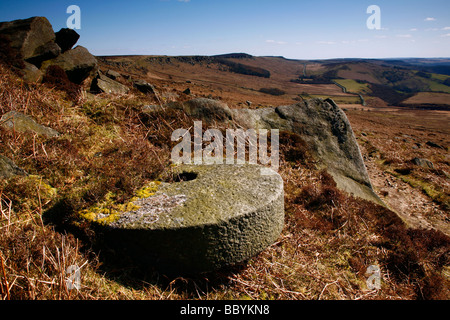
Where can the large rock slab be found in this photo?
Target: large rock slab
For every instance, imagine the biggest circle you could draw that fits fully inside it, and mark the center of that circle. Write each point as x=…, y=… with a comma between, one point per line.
x=47, y=51
x=33, y=37
x=329, y=135
x=78, y=64
x=221, y=215
x=102, y=83
x=144, y=87
x=204, y=108
x=20, y=122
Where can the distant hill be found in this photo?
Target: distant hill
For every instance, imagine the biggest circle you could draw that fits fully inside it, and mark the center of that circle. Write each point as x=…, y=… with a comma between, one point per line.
x=394, y=81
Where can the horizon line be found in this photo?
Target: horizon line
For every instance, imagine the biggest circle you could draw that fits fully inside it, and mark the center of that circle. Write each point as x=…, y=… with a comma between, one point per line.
x=264, y=56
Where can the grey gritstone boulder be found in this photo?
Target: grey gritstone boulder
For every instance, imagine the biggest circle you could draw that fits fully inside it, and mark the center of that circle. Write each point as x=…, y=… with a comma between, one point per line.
x=20, y=122
x=224, y=214
x=329, y=135
x=9, y=169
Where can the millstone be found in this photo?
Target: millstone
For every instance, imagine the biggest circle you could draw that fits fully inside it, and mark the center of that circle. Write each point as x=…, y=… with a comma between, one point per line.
x=219, y=216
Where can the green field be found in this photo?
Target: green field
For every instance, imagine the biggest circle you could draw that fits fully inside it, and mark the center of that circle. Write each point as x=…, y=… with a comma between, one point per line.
x=437, y=87
x=353, y=85
x=434, y=82
x=441, y=77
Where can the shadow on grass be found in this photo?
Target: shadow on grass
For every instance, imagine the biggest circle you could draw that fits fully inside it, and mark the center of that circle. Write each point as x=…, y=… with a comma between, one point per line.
x=116, y=265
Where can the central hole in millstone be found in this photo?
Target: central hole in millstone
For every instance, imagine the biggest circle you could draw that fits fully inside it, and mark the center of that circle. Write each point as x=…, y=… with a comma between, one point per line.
x=184, y=176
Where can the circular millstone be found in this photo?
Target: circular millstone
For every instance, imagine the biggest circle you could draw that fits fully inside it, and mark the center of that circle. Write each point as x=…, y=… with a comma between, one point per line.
x=219, y=216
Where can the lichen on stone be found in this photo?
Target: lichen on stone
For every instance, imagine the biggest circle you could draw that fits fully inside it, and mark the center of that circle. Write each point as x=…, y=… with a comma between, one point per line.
x=151, y=210
x=148, y=190
x=108, y=211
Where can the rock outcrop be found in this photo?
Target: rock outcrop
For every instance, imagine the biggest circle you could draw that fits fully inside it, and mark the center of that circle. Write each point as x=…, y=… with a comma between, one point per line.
x=328, y=133
x=38, y=45
x=45, y=52
x=102, y=83
x=114, y=75
x=78, y=64
x=207, y=109
x=321, y=124
x=144, y=87
x=33, y=37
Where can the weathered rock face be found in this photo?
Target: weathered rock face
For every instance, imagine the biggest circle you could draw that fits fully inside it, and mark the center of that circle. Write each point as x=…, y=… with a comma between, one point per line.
x=78, y=64
x=66, y=38
x=47, y=51
x=222, y=215
x=31, y=36
x=102, y=83
x=424, y=163
x=144, y=86
x=9, y=169
x=322, y=124
x=328, y=132
x=204, y=108
x=31, y=73
x=40, y=46
x=20, y=122
x=114, y=75
x=326, y=129
x=208, y=108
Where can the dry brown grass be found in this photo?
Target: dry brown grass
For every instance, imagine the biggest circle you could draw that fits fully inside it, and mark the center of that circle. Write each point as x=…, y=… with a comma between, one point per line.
x=108, y=145
x=428, y=98
x=392, y=139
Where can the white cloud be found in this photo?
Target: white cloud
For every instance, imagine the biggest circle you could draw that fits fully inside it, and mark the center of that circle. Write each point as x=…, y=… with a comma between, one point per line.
x=404, y=36
x=275, y=42
x=446, y=28
x=381, y=37
x=430, y=19
x=326, y=42
x=413, y=29
x=446, y=35
x=184, y=0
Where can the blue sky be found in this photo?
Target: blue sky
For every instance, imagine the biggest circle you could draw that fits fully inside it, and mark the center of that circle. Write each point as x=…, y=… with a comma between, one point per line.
x=312, y=29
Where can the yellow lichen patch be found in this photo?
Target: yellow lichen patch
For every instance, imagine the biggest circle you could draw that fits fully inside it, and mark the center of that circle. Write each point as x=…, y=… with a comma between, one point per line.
x=105, y=212
x=114, y=216
x=149, y=190
x=108, y=211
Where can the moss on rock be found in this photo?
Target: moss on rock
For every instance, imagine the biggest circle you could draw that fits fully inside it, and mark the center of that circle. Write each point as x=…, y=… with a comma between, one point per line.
x=225, y=215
